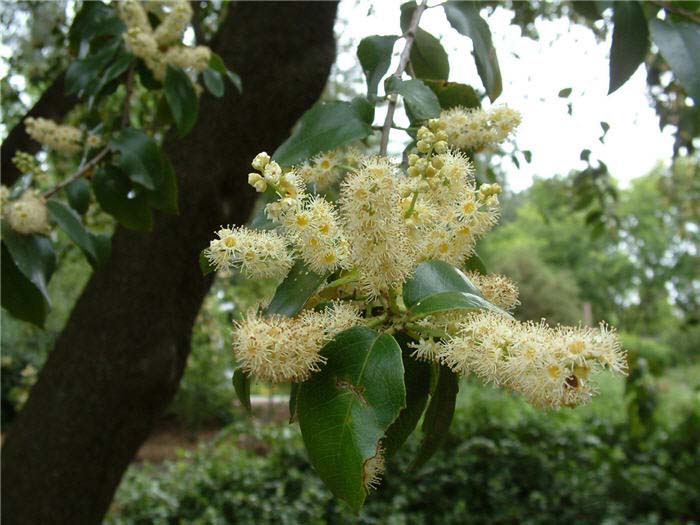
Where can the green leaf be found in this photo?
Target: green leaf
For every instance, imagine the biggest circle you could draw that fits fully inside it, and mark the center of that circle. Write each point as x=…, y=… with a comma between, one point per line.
x=235, y=80
x=564, y=93
x=117, y=197
x=374, y=53
x=94, y=19
x=291, y=295
x=140, y=157
x=19, y=295
x=630, y=42
x=214, y=82
x=78, y=194
x=204, y=263
x=438, y=416
x=182, y=99
x=324, y=127
x=453, y=94
x=428, y=58
x=165, y=196
x=345, y=409
x=217, y=64
x=70, y=222
x=118, y=66
x=293, y=393
x=417, y=381
x=465, y=18
x=421, y=103
x=476, y=264
x=445, y=301
x=364, y=108
x=680, y=45
x=33, y=255
x=84, y=71
x=435, y=277
x=241, y=384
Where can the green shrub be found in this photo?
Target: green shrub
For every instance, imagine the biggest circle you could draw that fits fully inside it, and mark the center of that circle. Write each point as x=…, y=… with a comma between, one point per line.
x=503, y=462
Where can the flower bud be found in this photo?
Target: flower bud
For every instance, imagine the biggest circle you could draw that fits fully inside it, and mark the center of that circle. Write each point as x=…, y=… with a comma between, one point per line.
x=260, y=161
x=257, y=182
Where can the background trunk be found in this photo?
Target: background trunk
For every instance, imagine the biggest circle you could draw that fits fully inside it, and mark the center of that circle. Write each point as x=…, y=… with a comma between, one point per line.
x=118, y=362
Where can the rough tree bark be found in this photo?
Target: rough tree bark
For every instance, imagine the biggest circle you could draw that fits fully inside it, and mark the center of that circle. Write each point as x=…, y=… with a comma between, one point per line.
x=117, y=364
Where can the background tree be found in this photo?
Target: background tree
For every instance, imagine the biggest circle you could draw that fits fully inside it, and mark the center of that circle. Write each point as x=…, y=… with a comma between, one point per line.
x=111, y=387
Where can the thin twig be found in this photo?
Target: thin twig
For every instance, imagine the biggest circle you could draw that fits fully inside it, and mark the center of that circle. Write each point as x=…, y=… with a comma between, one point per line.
x=403, y=61
x=81, y=172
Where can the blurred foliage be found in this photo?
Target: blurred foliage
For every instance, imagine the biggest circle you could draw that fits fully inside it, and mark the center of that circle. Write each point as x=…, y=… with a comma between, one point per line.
x=504, y=462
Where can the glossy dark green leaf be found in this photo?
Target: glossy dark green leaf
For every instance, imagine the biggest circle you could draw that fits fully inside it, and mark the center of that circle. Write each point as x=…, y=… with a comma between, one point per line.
x=374, y=53
x=417, y=381
x=428, y=58
x=421, y=103
x=214, y=82
x=291, y=295
x=680, y=45
x=630, y=42
x=78, y=194
x=465, y=18
x=345, y=409
x=83, y=72
x=235, y=80
x=434, y=277
x=453, y=94
x=140, y=157
x=364, y=108
x=475, y=264
x=241, y=384
x=324, y=127
x=19, y=295
x=33, y=255
x=217, y=64
x=117, y=197
x=445, y=301
x=438, y=416
x=118, y=67
x=70, y=222
x=165, y=196
x=182, y=99
x=94, y=19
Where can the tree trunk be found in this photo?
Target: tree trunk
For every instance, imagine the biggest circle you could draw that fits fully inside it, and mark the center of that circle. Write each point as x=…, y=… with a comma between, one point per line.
x=118, y=362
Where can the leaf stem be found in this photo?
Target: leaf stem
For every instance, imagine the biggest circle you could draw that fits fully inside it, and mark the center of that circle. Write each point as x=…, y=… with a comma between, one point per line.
x=403, y=61
x=80, y=173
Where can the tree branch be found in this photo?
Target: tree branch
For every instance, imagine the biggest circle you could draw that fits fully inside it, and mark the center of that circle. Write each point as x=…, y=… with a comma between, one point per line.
x=403, y=61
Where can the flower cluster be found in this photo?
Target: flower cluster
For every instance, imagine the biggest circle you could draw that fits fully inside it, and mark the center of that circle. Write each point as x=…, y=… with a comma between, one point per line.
x=258, y=254
x=550, y=367
x=161, y=46
x=25, y=163
x=496, y=289
x=324, y=170
x=281, y=349
x=375, y=225
x=61, y=138
x=27, y=214
x=476, y=129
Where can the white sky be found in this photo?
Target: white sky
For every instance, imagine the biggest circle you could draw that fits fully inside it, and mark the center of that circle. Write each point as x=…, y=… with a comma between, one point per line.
x=533, y=74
